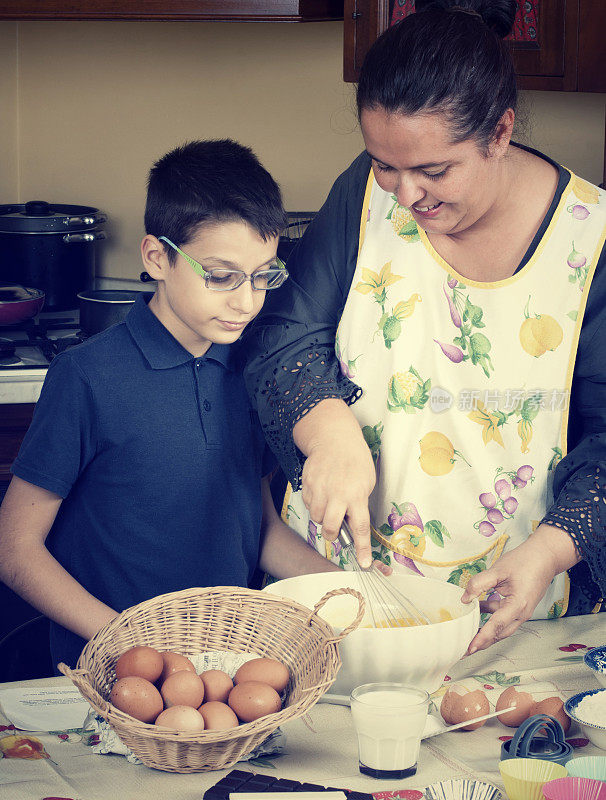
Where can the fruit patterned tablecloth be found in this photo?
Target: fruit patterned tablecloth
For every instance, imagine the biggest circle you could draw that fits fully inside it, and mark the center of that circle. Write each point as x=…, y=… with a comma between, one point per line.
x=543, y=658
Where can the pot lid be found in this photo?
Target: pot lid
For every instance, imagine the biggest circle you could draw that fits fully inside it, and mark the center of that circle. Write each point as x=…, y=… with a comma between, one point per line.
x=38, y=216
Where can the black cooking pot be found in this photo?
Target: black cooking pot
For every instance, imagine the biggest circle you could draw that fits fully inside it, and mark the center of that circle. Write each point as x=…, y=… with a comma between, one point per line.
x=100, y=308
x=52, y=247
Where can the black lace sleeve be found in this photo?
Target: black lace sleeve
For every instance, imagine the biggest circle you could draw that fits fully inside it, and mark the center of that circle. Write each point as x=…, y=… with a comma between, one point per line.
x=290, y=349
x=580, y=478
x=581, y=512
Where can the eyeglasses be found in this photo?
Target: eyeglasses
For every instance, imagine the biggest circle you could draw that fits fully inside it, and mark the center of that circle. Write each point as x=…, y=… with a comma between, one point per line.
x=225, y=280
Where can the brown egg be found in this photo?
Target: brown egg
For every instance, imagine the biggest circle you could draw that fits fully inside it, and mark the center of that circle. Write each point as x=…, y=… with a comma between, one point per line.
x=265, y=670
x=253, y=699
x=142, y=661
x=183, y=688
x=554, y=707
x=174, y=662
x=181, y=718
x=137, y=697
x=459, y=705
x=524, y=707
x=218, y=716
x=217, y=685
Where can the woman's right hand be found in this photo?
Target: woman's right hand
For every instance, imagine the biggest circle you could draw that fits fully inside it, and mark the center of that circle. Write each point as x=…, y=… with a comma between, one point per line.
x=339, y=473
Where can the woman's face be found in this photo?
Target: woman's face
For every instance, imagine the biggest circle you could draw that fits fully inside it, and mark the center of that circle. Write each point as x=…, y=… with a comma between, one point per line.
x=448, y=187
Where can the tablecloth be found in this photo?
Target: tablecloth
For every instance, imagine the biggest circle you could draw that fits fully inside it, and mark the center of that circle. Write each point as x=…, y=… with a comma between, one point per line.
x=546, y=658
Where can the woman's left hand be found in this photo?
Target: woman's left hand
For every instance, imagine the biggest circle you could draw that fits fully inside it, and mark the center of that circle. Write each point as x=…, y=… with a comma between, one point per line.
x=521, y=577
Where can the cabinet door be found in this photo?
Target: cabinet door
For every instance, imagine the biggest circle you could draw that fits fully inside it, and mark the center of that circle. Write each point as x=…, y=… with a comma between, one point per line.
x=364, y=22
x=14, y=422
x=567, y=54
x=549, y=62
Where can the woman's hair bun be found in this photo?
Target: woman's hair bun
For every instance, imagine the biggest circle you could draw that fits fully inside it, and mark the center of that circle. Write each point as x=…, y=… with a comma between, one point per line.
x=498, y=15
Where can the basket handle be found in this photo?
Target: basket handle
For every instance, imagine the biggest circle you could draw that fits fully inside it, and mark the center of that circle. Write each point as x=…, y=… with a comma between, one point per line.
x=353, y=625
x=82, y=680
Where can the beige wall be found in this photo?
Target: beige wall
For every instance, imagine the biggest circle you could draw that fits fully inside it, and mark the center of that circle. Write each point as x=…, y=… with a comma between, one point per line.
x=9, y=113
x=87, y=106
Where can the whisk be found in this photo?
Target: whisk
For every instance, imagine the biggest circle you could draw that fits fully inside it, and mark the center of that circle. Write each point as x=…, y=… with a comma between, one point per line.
x=388, y=607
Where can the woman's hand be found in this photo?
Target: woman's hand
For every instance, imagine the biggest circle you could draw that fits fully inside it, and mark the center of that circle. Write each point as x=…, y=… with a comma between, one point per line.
x=339, y=473
x=521, y=577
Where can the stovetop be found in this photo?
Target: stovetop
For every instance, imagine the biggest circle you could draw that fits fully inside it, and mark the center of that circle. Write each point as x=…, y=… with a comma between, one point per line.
x=32, y=344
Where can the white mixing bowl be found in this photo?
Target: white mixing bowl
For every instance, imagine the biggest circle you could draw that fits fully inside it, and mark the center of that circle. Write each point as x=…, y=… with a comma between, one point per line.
x=419, y=656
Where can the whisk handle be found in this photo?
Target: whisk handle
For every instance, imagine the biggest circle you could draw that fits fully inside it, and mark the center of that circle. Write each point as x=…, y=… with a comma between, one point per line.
x=354, y=624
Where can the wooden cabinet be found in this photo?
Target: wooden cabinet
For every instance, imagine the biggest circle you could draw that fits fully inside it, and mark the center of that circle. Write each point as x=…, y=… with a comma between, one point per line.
x=568, y=54
x=14, y=422
x=243, y=10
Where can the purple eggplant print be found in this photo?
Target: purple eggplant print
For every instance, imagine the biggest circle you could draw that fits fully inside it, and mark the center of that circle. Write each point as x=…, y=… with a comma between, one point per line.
x=578, y=264
x=454, y=313
x=469, y=344
x=405, y=531
x=455, y=354
x=578, y=211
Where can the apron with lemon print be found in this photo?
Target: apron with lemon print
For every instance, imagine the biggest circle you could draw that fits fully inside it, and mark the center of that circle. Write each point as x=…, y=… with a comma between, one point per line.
x=465, y=389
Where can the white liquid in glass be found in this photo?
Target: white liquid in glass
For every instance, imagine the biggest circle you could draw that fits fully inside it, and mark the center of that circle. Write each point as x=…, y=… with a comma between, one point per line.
x=389, y=725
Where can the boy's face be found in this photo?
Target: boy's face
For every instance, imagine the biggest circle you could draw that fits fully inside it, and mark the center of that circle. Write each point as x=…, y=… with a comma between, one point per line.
x=197, y=316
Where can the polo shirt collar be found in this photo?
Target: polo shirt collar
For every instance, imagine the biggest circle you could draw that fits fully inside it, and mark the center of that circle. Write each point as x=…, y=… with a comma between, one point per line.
x=159, y=347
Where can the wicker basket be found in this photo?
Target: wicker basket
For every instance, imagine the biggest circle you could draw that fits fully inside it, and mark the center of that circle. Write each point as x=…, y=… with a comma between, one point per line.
x=220, y=618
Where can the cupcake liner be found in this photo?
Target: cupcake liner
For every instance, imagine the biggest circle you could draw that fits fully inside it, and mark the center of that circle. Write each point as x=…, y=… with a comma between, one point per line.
x=574, y=789
x=588, y=767
x=462, y=789
x=524, y=777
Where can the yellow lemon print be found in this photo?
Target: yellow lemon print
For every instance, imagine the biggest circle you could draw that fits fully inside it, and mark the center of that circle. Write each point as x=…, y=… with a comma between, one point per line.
x=585, y=191
x=436, y=439
x=539, y=333
x=436, y=461
x=409, y=539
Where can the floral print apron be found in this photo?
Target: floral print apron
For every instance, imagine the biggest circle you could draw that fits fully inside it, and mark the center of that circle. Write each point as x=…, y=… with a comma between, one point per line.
x=466, y=387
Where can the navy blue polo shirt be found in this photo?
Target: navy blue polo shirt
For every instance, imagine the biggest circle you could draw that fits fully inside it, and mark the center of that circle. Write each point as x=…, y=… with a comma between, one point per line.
x=159, y=458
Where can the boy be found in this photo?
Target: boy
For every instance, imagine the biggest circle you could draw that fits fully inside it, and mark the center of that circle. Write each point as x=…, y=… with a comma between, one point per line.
x=142, y=470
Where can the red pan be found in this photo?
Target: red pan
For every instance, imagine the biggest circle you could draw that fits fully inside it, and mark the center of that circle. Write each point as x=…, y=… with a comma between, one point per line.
x=18, y=303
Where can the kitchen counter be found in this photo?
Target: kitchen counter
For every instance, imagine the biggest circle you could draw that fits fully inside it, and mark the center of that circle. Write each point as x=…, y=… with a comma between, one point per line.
x=540, y=657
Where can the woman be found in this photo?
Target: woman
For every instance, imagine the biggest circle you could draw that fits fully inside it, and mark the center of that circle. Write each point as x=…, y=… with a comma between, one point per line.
x=436, y=356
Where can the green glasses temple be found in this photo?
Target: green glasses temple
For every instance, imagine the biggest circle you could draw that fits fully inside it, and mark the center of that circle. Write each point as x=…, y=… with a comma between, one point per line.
x=198, y=268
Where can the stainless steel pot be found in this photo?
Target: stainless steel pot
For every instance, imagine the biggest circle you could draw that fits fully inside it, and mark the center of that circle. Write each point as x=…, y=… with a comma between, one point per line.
x=52, y=247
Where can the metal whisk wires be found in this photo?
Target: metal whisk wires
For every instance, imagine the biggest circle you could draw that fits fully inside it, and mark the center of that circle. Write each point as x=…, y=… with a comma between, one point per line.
x=387, y=606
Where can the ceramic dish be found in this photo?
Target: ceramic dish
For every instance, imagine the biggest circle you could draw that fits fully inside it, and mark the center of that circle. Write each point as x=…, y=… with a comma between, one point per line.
x=594, y=732
x=596, y=661
x=372, y=654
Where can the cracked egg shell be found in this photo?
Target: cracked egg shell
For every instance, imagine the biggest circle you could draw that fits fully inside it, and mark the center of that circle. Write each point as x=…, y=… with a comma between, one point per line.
x=524, y=707
x=460, y=705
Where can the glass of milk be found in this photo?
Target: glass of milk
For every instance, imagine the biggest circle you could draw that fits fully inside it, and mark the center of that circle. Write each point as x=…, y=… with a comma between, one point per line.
x=389, y=719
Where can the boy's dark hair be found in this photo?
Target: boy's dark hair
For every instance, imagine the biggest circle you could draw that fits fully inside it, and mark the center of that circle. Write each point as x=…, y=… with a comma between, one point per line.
x=210, y=181
x=449, y=56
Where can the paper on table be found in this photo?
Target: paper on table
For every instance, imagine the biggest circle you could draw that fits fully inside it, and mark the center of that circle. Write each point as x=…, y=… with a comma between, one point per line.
x=53, y=709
